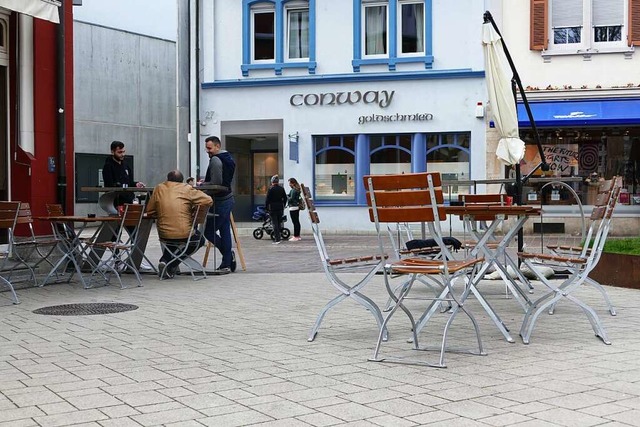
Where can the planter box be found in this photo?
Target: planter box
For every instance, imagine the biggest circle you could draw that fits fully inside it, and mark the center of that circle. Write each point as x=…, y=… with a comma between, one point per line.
x=618, y=270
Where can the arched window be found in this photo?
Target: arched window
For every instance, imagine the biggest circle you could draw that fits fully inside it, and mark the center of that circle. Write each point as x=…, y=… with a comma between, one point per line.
x=390, y=154
x=448, y=153
x=335, y=168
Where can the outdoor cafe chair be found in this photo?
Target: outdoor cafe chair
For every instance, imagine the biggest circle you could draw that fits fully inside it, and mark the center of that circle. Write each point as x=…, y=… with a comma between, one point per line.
x=579, y=266
x=367, y=265
x=180, y=251
x=564, y=250
x=117, y=255
x=418, y=198
x=31, y=250
x=8, y=219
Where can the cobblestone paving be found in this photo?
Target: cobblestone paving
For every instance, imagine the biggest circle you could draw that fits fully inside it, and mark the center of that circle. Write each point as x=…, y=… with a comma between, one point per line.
x=232, y=351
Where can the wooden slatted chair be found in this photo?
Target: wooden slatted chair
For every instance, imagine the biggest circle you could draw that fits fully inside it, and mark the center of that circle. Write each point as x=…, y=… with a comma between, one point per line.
x=119, y=252
x=579, y=265
x=181, y=251
x=418, y=198
x=8, y=218
x=30, y=246
x=369, y=265
x=572, y=251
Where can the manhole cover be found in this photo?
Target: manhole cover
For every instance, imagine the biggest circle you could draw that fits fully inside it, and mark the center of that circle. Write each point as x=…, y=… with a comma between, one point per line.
x=86, y=309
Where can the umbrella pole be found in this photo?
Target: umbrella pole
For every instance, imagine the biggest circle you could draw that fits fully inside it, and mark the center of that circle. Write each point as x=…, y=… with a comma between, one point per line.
x=520, y=181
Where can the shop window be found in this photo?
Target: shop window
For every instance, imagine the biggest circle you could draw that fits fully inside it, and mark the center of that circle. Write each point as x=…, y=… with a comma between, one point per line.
x=390, y=154
x=584, y=157
x=391, y=32
x=335, y=168
x=278, y=34
x=449, y=154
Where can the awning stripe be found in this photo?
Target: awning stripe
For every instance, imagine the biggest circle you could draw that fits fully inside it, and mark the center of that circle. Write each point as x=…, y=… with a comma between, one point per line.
x=43, y=9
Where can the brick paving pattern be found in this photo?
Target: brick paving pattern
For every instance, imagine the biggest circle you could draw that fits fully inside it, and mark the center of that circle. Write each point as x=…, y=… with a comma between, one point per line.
x=232, y=351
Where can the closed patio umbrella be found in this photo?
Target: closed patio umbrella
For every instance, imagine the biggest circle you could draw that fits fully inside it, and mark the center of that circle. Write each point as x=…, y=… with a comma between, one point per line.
x=503, y=106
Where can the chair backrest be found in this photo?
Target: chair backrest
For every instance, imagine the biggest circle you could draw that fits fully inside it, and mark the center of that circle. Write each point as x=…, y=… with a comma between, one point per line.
x=483, y=199
x=200, y=213
x=411, y=197
x=8, y=215
x=315, y=223
x=308, y=200
x=54, y=209
x=132, y=217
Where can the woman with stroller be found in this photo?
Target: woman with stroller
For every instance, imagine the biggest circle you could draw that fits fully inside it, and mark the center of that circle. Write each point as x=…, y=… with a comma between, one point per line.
x=294, y=199
x=275, y=203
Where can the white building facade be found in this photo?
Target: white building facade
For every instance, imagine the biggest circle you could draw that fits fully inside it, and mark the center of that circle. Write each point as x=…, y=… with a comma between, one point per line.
x=328, y=91
x=579, y=63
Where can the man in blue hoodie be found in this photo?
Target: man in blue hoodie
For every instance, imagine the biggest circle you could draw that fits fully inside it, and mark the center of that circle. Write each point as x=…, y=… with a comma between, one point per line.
x=218, y=229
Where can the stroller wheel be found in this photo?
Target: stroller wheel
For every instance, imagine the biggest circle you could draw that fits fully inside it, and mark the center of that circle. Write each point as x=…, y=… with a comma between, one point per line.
x=258, y=233
x=285, y=233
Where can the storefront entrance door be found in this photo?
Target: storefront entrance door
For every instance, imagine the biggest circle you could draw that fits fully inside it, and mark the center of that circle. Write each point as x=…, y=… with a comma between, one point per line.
x=264, y=166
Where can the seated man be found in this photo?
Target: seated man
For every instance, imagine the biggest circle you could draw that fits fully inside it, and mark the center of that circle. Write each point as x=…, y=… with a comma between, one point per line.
x=173, y=203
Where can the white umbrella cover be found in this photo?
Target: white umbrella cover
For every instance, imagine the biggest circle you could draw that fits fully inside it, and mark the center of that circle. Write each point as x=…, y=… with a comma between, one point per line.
x=498, y=77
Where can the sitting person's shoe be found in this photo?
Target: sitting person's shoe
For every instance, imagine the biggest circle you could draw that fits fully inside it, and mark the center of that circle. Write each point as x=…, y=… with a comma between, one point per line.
x=234, y=264
x=223, y=270
x=163, y=270
x=145, y=266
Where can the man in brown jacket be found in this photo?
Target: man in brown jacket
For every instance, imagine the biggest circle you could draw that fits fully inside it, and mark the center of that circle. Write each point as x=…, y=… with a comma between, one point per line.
x=172, y=203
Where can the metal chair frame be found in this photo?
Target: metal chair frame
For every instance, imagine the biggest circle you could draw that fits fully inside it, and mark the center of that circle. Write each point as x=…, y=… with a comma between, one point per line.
x=418, y=198
x=333, y=267
x=579, y=265
x=25, y=247
x=180, y=254
x=119, y=251
x=8, y=219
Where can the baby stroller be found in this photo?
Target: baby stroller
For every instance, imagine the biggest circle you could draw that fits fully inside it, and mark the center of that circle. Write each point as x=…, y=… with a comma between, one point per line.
x=261, y=214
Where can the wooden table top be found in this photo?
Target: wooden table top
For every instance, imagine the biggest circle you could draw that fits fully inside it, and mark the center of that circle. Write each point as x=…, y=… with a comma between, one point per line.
x=472, y=210
x=78, y=218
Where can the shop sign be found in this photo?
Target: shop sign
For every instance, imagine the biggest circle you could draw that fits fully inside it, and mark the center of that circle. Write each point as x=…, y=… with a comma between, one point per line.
x=382, y=98
x=397, y=117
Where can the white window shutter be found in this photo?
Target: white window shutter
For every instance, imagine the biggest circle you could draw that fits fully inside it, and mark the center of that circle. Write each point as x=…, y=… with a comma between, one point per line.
x=608, y=12
x=566, y=13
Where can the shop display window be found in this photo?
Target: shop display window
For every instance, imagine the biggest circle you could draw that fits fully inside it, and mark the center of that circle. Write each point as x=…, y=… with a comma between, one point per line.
x=390, y=154
x=448, y=153
x=335, y=168
x=584, y=157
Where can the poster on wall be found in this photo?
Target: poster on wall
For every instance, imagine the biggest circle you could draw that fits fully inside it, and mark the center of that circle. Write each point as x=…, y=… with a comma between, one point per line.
x=562, y=159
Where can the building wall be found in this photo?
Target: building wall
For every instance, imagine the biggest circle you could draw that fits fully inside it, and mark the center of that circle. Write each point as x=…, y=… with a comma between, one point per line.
x=232, y=105
x=574, y=70
x=126, y=90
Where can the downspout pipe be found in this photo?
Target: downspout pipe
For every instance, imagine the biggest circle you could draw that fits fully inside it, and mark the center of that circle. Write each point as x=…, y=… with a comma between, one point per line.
x=61, y=101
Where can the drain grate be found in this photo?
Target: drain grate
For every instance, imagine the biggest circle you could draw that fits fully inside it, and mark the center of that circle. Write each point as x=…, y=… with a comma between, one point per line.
x=85, y=309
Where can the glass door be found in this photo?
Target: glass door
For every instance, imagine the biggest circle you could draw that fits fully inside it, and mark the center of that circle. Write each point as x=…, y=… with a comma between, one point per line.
x=265, y=165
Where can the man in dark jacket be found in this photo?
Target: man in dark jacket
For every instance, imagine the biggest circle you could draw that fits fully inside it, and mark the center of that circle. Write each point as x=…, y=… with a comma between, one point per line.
x=275, y=203
x=218, y=229
x=116, y=173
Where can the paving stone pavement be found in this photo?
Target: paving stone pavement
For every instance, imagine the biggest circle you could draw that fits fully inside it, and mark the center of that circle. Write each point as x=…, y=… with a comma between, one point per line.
x=232, y=351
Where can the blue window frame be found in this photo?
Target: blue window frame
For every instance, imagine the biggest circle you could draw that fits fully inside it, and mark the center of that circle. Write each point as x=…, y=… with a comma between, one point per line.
x=391, y=32
x=342, y=160
x=278, y=34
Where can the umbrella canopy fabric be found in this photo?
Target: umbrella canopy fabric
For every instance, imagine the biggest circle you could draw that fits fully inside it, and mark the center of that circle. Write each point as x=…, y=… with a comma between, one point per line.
x=503, y=106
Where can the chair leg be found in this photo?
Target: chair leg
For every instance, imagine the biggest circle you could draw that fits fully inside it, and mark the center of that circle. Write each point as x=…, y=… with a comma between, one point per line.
x=13, y=291
x=604, y=293
x=323, y=312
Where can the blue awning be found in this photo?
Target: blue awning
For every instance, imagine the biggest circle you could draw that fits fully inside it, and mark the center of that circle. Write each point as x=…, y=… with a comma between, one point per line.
x=581, y=113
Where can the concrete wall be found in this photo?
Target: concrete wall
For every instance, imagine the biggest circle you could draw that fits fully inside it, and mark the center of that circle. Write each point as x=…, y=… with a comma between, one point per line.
x=125, y=89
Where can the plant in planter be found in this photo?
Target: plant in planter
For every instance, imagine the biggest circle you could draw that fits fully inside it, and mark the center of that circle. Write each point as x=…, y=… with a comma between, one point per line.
x=619, y=264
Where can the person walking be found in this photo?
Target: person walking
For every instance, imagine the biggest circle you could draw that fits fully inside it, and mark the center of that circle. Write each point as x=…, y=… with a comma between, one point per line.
x=218, y=229
x=275, y=203
x=294, y=198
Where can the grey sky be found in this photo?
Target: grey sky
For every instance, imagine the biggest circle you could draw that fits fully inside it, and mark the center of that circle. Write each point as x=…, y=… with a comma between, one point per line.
x=156, y=18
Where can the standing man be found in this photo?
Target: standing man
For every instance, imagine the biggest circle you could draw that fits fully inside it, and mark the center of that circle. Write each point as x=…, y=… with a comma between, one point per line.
x=116, y=173
x=218, y=230
x=275, y=203
x=173, y=204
